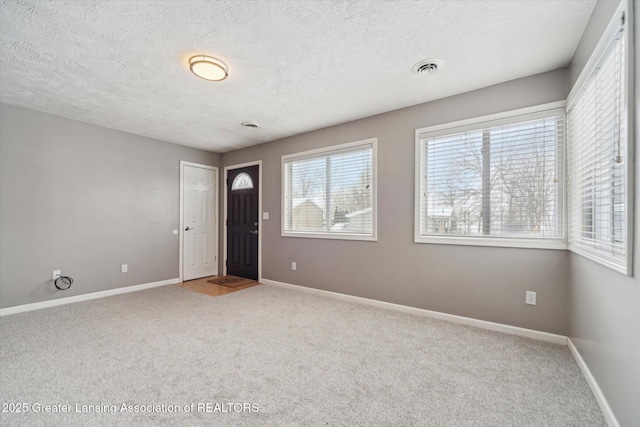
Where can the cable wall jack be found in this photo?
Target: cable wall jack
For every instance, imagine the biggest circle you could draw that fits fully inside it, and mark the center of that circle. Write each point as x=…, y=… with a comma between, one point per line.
x=63, y=282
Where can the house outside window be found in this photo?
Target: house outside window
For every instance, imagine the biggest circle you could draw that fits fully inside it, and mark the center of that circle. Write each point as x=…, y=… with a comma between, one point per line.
x=331, y=192
x=494, y=180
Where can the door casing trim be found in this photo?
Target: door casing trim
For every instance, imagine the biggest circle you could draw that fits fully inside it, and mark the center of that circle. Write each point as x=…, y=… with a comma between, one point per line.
x=223, y=184
x=184, y=163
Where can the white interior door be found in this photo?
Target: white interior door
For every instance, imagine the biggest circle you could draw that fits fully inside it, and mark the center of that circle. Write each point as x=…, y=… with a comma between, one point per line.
x=200, y=223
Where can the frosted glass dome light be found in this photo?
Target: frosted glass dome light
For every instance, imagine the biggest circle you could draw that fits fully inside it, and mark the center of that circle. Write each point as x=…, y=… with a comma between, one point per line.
x=208, y=68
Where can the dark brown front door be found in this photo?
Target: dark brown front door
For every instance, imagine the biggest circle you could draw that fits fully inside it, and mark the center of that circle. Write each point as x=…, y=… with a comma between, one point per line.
x=242, y=222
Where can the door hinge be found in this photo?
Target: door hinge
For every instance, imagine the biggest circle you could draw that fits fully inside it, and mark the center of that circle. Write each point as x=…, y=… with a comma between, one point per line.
x=622, y=18
x=226, y=222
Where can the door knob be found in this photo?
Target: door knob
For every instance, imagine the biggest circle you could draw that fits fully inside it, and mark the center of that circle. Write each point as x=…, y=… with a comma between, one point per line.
x=189, y=228
x=254, y=231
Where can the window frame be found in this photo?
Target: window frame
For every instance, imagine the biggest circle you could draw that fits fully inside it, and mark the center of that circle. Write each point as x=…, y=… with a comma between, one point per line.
x=320, y=152
x=557, y=108
x=624, y=9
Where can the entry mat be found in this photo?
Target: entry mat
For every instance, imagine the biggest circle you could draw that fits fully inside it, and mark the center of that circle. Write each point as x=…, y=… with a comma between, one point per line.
x=231, y=281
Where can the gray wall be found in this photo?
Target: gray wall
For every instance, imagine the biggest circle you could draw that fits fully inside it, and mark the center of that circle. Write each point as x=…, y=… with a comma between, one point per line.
x=84, y=199
x=604, y=315
x=600, y=18
x=481, y=282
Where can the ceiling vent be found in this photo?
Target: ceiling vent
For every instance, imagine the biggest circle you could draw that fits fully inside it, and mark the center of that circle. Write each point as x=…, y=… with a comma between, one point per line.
x=249, y=125
x=426, y=67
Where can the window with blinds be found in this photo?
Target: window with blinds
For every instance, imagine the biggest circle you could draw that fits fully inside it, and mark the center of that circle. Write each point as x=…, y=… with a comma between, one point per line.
x=598, y=160
x=330, y=193
x=492, y=181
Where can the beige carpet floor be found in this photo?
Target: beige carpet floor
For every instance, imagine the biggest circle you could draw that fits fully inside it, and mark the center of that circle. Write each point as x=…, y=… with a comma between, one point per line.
x=270, y=356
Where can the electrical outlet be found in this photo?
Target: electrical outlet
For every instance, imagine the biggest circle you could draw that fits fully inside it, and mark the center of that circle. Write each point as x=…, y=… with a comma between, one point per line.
x=125, y=268
x=265, y=215
x=55, y=274
x=293, y=266
x=530, y=298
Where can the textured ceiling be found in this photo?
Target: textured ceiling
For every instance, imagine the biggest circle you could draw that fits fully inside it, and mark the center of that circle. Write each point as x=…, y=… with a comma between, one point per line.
x=294, y=66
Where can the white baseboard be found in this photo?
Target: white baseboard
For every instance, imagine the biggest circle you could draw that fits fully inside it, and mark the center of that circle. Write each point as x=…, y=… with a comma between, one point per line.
x=84, y=297
x=483, y=324
x=593, y=385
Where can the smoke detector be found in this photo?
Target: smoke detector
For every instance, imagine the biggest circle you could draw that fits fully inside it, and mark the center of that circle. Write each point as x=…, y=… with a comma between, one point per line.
x=427, y=66
x=249, y=125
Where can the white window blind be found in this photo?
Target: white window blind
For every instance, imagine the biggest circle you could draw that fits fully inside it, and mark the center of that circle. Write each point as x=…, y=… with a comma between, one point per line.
x=496, y=182
x=597, y=149
x=330, y=192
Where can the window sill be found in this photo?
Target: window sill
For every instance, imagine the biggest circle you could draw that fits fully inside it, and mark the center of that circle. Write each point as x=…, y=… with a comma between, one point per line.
x=495, y=242
x=598, y=258
x=331, y=236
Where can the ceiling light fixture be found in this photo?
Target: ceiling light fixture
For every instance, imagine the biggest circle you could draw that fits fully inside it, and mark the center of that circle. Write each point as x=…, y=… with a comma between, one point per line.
x=427, y=66
x=208, y=68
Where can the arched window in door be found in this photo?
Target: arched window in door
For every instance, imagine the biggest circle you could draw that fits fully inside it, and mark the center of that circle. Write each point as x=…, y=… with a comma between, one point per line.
x=242, y=182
